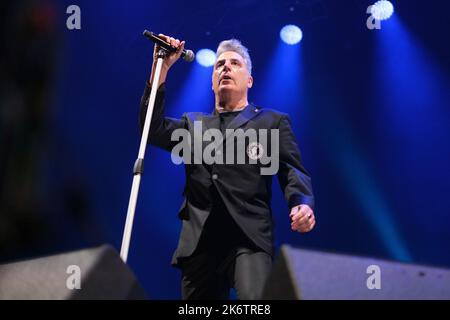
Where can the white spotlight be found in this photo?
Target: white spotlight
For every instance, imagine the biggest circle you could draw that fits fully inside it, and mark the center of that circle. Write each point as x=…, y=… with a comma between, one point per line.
x=382, y=10
x=291, y=34
x=206, y=57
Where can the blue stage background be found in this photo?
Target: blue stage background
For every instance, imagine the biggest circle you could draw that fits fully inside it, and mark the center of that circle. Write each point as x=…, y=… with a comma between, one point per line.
x=370, y=109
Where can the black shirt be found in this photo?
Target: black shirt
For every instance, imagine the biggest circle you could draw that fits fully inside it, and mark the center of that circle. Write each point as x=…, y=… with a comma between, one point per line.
x=221, y=232
x=226, y=118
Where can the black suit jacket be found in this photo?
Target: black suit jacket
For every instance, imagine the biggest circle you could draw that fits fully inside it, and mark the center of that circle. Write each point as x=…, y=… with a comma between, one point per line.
x=244, y=191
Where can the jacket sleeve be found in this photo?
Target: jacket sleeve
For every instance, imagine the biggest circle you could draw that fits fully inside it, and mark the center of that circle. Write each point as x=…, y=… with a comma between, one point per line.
x=294, y=180
x=161, y=128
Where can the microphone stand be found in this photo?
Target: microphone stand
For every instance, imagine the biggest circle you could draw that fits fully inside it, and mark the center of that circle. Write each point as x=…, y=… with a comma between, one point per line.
x=139, y=164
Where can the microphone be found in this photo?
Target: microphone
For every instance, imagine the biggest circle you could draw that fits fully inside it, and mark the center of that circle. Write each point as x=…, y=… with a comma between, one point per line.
x=187, y=55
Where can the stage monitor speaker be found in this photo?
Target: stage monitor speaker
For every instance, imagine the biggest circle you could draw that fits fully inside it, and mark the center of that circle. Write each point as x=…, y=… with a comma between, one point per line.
x=96, y=273
x=311, y=275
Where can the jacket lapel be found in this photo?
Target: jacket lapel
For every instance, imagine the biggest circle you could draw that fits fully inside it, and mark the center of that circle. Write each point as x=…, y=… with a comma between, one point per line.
x=211, y=121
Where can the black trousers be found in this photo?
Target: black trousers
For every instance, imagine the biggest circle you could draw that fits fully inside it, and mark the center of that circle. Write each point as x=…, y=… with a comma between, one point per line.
x=209, y=275
x=224, y=258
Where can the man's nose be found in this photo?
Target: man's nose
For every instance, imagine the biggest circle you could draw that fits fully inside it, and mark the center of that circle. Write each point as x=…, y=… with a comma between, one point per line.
x=227, y=65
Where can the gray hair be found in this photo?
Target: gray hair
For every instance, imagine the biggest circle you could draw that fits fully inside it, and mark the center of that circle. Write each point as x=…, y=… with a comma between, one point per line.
x=235, y=46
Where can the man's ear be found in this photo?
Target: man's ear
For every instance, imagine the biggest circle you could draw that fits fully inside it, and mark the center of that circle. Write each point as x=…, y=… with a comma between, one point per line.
x=250, y=82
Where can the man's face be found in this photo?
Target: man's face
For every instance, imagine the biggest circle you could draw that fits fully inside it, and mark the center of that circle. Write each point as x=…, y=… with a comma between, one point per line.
x=231, y=74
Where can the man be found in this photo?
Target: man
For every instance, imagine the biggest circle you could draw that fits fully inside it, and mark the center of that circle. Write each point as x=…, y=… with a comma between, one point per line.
x=226, y=237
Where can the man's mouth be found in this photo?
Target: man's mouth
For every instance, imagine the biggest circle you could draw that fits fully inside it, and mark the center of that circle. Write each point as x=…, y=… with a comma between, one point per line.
x=225, y=77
